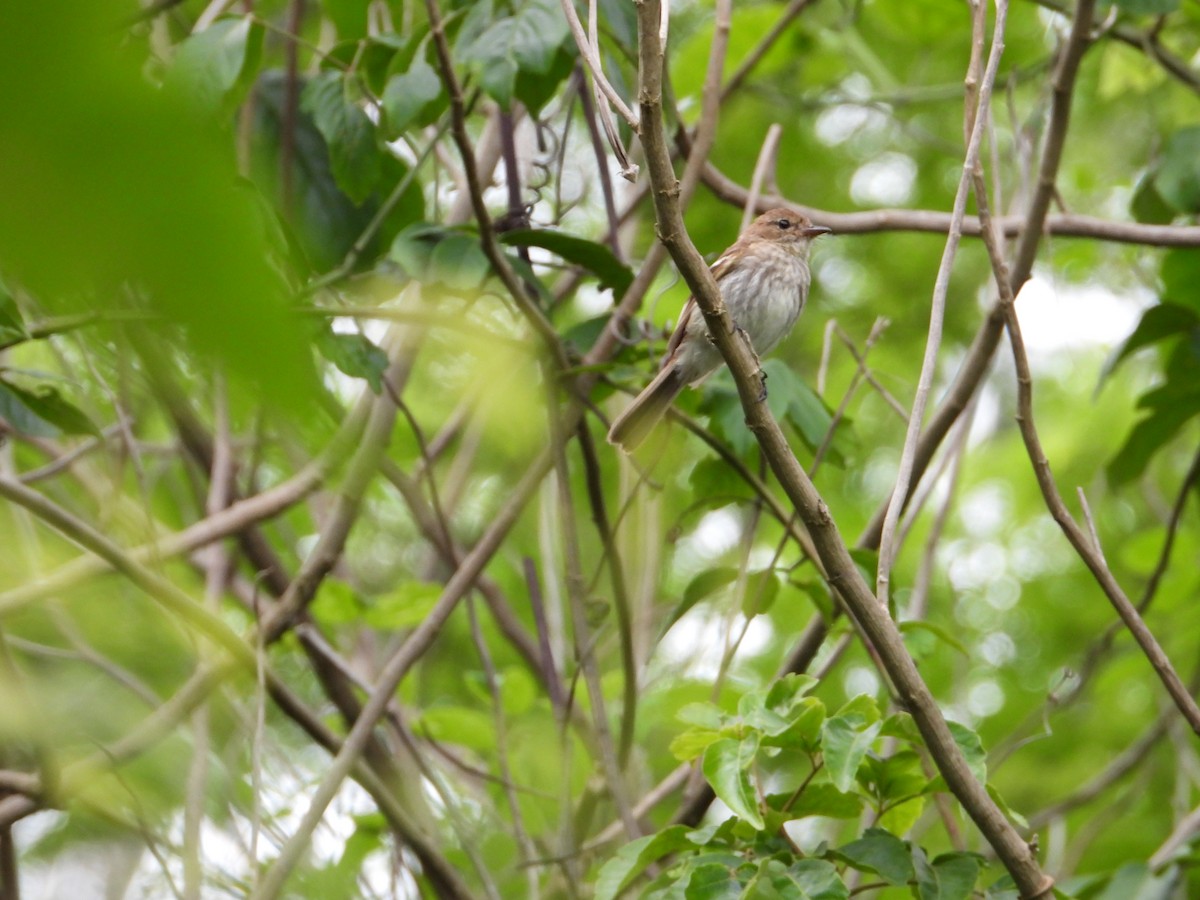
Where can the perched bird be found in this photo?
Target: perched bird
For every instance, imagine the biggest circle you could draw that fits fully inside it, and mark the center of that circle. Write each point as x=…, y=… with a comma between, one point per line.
x=764, y=281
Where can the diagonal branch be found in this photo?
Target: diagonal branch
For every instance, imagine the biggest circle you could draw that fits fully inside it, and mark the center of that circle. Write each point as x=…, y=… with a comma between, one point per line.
x=1087, y=551
x=843, y=574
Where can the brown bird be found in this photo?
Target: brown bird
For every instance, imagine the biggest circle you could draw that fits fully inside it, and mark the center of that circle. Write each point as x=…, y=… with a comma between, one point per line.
x=764, y=281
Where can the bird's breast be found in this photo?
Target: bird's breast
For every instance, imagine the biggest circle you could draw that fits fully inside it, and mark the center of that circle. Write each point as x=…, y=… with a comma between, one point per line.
x=766, y=299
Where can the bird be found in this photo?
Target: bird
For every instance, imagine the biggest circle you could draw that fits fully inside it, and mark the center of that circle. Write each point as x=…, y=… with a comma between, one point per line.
x=764, y=279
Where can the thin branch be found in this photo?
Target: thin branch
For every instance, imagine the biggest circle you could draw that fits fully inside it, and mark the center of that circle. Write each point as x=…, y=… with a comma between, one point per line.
x=606, y=186
x=1129, y=759
x=232, y=520
x=1091, y=557
x=888, y=546
x=593, y=478
x=500, y=722
x=487, y=234
x=393, y=673
x=768, y=40
x=363, y=467
x=1145, y=41
x=764, y=169
x=217, y=563
x=937, y=222
x=1179, y=838
x=591, y=58
x=611, y=761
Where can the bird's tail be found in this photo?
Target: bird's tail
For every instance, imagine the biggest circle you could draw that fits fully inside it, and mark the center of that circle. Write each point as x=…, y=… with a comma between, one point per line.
x=632, y=426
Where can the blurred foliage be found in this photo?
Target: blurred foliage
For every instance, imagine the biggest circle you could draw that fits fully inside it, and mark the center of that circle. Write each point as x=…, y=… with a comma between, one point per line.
x=218, y=236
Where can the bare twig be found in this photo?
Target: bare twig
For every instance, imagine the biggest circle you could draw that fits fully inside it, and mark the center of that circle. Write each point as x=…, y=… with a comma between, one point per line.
x=755, y=56
x=1129, y=759
x=589, y=52
x=764, y=171
x=888, y=546
x=1091, y=557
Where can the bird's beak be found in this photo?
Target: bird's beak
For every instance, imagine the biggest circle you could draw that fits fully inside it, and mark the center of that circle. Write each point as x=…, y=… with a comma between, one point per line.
x=813, y=231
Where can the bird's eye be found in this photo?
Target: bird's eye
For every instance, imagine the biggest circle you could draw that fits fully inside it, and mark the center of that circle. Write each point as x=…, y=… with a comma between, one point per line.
x=785, y=224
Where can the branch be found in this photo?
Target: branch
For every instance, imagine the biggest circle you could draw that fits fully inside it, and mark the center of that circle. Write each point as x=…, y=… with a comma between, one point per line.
x=936, y=222
x=363, y=466
x=393, y=673
x=843, y=574
x=888, y=545
x=1133, y=756
x=231, y=520
x=1147, y=42
x=1090, y=554
x=591, y=58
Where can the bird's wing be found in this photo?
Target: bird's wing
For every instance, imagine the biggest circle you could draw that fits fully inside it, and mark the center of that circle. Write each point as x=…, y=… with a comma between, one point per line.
x=722, y=267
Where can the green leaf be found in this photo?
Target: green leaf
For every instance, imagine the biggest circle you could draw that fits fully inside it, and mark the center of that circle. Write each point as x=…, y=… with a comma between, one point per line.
x=901, y=725
x=880, y=852
x=1135, y=881
x=861, y=708
x=354, y=154
x=786, y=692
x=725, y=767
x=430, y=253
x=762, y=587
x=209, y=65
x=337, y=603
x=462, y=725
x=972, y=749
x=1005, y=808
x=1158, y=323
x=895, y=777
x=805, y=879
x=355, y=355
x=591, y=255
x=536, y=89
x=801, y=729
x=715, y=480
x=348, y=16
x=459, y=262
x=708, y=582
x=1178, y=178
x=405, y=607
x=701, y=715
x=951, y=876
x=845, y=741
x=42, y=412
x=1150, y=434
x=12, y=325
x=937, y=631
x=412, y=98
x=720, y=402
x=712, y=881
x=706, y=721
x=823, y=799
x=692, y=743
x=1166, y=320
x=528, y=41
x=631, y=860
x=1148, y=206
x=1180, y=274
x=792, y=400
x=900, y=819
